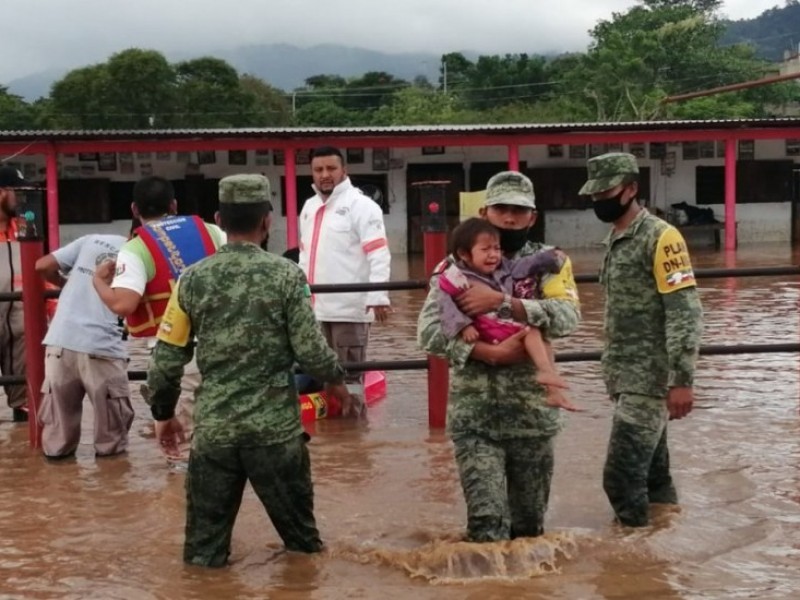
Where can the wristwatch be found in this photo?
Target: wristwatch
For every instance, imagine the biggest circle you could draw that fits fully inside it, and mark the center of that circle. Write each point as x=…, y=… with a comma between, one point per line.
x=506, y=310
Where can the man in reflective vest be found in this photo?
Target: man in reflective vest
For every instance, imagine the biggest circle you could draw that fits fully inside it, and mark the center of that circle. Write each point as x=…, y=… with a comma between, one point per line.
x=12, y=338
x=149, y=264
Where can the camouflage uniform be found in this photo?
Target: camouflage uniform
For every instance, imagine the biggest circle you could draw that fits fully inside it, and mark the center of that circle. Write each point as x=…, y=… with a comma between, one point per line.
x=252, y=318
x=501, y=428
x=652, y=329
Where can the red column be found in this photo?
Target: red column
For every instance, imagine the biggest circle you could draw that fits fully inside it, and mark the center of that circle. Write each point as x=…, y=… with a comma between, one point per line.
x=34, y=326
x=435, y=248
x=290, y=170
x=53, y=241
x=730, y=195
x=513, y=157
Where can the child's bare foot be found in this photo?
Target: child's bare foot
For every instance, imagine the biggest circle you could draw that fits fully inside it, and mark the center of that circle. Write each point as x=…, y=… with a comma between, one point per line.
x=557, y=399
x=551, y=378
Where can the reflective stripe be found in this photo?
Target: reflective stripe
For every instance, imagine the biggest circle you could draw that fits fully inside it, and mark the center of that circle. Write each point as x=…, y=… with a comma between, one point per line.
x=374, y=245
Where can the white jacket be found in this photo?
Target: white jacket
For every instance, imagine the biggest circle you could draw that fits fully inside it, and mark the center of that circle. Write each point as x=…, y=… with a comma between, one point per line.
x=343, y=240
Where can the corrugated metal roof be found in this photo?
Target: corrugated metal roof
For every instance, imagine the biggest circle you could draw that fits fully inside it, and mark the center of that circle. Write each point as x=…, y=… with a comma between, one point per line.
x=404, y=130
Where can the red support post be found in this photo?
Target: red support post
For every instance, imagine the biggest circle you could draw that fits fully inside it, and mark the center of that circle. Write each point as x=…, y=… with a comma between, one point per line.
x=435, y=249
x=433, y=208
x=34, y=324
x=513, y=157
x=53, y=241
x=730, y=194
x=290, y=170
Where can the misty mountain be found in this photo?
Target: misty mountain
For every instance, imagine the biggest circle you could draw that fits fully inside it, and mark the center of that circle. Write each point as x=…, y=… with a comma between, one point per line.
x=281, y=65
x=772, y=32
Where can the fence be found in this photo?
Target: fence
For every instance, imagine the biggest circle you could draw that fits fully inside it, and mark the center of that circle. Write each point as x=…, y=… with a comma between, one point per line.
x=33, y=296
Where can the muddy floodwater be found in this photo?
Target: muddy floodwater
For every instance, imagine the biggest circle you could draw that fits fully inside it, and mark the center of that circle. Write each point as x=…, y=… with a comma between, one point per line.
x=389, y=505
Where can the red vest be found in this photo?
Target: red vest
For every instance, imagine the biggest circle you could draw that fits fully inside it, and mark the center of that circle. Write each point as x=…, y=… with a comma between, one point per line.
x=174, y=243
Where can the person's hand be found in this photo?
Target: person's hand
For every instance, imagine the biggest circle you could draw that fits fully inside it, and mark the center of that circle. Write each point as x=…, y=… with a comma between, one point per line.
x=469, y=334
x=478, y=300
x=511, y=350
x=105, y=271
x=680, y=401
x=169, y=435
x=352, y=405
x=381, y=312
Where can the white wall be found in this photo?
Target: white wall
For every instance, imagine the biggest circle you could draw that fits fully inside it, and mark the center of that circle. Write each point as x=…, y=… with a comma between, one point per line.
x=572, y=228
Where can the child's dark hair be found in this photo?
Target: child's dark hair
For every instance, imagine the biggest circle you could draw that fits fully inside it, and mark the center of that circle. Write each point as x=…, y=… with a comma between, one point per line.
x=466, y=235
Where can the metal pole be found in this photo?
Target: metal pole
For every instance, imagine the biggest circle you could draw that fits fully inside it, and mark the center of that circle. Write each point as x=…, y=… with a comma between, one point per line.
x=34, y=323
x=435, y=249
x=290, y=171
x=53, y=241
x=433, y=205
x=730, y=194
x=513, y=157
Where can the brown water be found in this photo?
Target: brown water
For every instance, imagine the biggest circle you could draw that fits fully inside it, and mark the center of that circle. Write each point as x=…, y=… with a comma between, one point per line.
x=389, y=504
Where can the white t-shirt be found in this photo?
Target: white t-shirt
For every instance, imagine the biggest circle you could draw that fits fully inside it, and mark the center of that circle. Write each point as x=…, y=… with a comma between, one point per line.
x=82, y=322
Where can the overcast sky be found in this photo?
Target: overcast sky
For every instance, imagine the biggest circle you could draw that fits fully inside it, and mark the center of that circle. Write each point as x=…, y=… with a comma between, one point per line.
x=42, y=34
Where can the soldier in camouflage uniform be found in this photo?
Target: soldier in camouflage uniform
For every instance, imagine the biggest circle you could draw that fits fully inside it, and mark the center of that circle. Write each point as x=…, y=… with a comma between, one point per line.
x=252, y=318
x=653, y=324
x=501, y=428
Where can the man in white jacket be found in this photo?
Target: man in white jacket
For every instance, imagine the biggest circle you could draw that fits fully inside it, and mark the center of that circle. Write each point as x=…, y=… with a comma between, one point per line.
x=343, y=240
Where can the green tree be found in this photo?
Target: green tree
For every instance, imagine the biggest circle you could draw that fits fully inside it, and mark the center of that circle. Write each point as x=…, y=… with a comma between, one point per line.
x=134, y=89
x=267, y=106
x=15, y=113
x=209, y=94
x=324, y=113
x=80, y=100
x=418, y=106
x=657, y=49
x=141, y=89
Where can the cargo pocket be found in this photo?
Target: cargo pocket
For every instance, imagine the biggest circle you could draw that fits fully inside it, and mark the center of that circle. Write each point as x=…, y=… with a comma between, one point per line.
x=119, y=401
x=46, y=413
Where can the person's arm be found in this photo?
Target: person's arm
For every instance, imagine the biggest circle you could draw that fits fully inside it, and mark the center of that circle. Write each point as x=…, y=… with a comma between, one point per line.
x=683, y=316
x=303, y=257
x=375, y=245
x=48, y=269
x=172, y=352
x=558, y=312
x=121, y=286
x=51, y=266
x=431, y=338
x=452, y=319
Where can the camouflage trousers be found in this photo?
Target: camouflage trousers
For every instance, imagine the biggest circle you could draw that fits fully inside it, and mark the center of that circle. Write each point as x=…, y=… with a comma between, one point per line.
x=281, y=478
x=636, y=472
x=506, y=485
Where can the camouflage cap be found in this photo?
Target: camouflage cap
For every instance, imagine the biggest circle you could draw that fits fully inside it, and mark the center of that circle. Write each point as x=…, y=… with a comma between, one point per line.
x=608, y=171
x=510, y=187
x=244, y=189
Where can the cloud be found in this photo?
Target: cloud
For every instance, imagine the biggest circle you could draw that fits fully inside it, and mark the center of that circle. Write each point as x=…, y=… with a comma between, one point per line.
x=69, y=34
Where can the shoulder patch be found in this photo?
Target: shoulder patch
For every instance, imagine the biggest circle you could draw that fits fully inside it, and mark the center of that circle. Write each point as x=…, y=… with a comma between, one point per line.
x=672, y=267
x=175, y=325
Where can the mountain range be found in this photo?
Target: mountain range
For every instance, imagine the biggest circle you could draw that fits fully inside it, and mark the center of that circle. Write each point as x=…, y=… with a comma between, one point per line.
x=286, y=66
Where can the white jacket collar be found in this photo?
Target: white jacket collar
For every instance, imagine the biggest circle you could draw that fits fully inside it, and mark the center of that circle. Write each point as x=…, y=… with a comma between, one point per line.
x=339, y=190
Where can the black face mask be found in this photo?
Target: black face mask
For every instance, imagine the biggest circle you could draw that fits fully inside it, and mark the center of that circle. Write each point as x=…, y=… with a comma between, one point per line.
x=511, y=240
x=609, y=210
